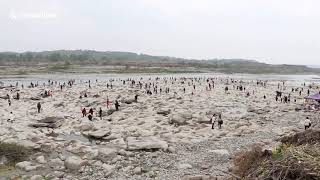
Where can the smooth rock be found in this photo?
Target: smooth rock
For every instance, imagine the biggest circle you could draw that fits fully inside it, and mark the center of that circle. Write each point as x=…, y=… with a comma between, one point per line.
x=137, y=170
x=177, y=119
x=143, y=143
x=41, y=160
x=74, y=163
x=107, y=154
x=99, y=133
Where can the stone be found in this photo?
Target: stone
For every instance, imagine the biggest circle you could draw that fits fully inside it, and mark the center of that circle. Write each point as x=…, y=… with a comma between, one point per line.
x=50, y=119
x=107, y=154
x=29, y=144
x=91, y=153
x=146, y=143
x=86, y=127
x=110, y=111
x=220, y=152
x=99, y=133
x=48, y=125
x=108, y=168
x=74, y=163
x=41, y=160
x=177, y=119
x=129, y=101
x=184, y=166
x=137, y=170
x=36, y=177
x=26, y=166
x=164, y=111
x=56, y=162
x=171, y=149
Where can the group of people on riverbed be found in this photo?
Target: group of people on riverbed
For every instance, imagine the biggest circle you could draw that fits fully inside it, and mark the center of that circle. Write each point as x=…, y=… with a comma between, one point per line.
x=152, y=87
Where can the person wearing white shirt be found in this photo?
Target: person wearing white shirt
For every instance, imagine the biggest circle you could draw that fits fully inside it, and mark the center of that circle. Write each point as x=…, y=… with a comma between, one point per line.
x=307, y=123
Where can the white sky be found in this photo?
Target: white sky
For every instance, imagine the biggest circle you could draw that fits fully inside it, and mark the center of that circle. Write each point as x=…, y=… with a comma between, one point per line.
x=272, y=31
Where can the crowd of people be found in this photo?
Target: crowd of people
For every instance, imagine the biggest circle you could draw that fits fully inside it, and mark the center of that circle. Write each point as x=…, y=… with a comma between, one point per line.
x=152, y=87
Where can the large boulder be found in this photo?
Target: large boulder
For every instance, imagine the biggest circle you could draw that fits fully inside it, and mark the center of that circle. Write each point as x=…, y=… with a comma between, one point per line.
x=107, y=154
x=49, y=122
x=177, y=119
x=110, y=111
x=74, y=163
x=35, y=98
x=146, y=143
x=129, y=101
x=99, y=133
x=164, y=111
x=50, y=119
x=26, y=166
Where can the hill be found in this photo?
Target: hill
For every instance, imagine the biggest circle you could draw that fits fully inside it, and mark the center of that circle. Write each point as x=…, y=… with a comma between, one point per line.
x=65, y=59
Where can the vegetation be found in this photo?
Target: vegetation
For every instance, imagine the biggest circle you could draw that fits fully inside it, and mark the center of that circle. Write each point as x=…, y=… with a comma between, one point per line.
x=298, y=157
x=63, y=60
x=11, y=153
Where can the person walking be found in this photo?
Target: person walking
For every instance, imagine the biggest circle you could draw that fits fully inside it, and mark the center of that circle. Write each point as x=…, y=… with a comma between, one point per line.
x=39, y=107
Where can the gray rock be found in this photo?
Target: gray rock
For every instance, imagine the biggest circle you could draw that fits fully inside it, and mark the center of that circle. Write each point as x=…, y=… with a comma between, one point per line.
x=99, y=133
x=50, y=119
x=137, y=170
x=106, y=154
x=36, y=177
x=26, y=166
x=74, y=163
x=146, y=143
x=41, y=160
x=164, y=111
x=184, y=166
x=178, y=119
x=110, y=111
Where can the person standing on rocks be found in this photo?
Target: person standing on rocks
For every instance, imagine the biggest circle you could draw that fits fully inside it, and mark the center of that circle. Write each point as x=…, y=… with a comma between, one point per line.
x=18, y=96
x=39, y=107
x=91, y=111
x=84, y=112
x=116, y=104
x=90, y=117
x=9, y=102
x=100, y=113
x=212, y=121
x=220, y=122
x=307, y=123
x=226, y=89
x=136, y=98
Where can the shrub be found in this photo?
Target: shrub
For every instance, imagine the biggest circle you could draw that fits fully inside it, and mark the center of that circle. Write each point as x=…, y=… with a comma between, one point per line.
x=14, y=153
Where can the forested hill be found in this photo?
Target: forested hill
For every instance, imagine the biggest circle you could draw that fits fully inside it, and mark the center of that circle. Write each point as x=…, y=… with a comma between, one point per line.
x=67, y=58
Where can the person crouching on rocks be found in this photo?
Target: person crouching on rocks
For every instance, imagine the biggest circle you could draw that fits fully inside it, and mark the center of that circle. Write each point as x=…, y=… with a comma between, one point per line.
x=307, y=123
x=90, y=117
x=10, y=118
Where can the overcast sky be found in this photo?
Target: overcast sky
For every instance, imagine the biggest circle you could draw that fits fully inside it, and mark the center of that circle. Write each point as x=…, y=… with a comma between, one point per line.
x=272, y=31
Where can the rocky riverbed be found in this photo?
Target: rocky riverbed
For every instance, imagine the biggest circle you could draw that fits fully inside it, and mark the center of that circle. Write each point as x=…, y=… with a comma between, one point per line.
x=166, y=135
